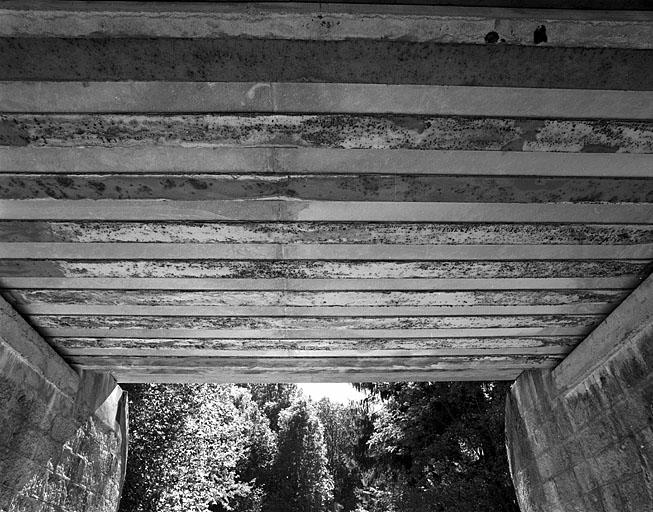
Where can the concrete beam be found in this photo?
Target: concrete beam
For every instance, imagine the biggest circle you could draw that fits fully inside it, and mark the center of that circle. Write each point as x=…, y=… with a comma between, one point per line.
x=286, y=210
x=333, y=252
x=333, y=282
x=329, y=131
x=310, y=300
x=301, y=98
x=163, y=160
x=313, y=369
x=362, y=347
x=313, y=61
x=392, y=233
x=331, y=22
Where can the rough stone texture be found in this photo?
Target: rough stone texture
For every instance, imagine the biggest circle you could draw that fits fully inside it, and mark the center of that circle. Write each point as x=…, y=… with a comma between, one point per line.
x=587, y=446
x=62, y=436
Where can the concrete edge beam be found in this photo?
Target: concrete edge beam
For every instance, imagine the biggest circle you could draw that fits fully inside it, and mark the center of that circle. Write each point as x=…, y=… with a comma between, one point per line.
x=24, y=342
x=631, y=320
x=446, y=24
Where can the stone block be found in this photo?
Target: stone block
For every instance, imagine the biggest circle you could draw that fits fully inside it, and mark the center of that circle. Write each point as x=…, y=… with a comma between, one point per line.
x=567, y=485
x=547, y=465
x=581, y=410
x=594, y=501
x=16, y=469
x=76, y=497
x=614, y=463
x=611, y=497
x=636, y=493
x=598, y=435
x=27, y=442
x=631, y=369
x=576, y=505
x=585, y=477
x=643, y=442
x=629, y=417
x=550, y=491
x=8, y=427
x=62, y=428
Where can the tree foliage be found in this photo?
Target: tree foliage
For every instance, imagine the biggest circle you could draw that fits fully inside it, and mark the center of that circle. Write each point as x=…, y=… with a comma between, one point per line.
x=439, y=447
x=190, y=446
x=303, y=481
x=409, y=447
x=340, y=423
x=272, y=399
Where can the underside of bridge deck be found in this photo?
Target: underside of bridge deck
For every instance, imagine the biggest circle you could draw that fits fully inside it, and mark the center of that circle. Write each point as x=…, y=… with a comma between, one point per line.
x=321, y=192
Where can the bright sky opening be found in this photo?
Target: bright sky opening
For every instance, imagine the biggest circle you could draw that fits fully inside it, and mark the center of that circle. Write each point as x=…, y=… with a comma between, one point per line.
x=336, y=392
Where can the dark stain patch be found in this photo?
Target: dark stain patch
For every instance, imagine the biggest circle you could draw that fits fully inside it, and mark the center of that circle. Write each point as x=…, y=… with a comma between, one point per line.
x=65, y=181
x=599, y=148
x=23, y=268
x=530, y=128
x=492, y=37
x=97, y=185
x=11, y=134
x=351, y=187
x=198, y=184
x=539, y=36
x=514, y=145
x=416, y=124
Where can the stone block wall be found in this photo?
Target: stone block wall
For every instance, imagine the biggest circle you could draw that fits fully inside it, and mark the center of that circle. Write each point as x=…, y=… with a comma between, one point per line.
x=586, y=445
x=62, y=435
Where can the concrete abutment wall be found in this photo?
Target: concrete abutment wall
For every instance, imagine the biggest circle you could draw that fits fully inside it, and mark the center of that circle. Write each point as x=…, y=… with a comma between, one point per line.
x=580, y=437
x=62, y=435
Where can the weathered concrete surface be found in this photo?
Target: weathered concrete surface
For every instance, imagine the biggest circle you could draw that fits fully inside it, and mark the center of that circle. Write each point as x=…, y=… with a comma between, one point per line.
x=62, y=435
x=314, y=369
x=310, y=299
x=297, y=180
x=581, y=437
x=347, y=187
x=417, y=132
x=312, y=98
x=335, y=22
x=320, y=269
x=326, y=233
x=163, y=159
x=363, y=347
x=349, y=61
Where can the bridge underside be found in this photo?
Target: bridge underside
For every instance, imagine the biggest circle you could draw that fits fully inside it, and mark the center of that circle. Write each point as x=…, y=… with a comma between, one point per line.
x=297, y=193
